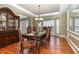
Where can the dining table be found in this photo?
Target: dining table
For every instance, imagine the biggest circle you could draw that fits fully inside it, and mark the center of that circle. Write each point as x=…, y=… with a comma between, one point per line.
x=36, y=36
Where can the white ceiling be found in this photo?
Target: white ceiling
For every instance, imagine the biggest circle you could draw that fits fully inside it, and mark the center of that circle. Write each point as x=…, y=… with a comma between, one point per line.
x=32, y=9
x=44, y=8
x=77, y=6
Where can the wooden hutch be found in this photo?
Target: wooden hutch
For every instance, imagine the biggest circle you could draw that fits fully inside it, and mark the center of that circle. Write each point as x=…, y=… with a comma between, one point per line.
x=8, y=20
x=9, y=23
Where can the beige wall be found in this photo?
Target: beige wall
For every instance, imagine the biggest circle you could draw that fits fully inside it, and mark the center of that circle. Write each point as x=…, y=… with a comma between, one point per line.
x=32, y=22
x=63, y=23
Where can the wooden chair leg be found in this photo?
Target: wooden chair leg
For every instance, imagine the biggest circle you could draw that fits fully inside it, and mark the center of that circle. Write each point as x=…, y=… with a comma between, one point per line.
x=21, y=48
x=46, y=43
x=21, y=51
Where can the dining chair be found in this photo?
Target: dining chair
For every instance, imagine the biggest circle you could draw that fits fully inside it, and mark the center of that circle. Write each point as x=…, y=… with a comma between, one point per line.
x=29, y=29
x=24, y=44
x=49, y=33
x=45, y=38
x=34, y=28
x=45, y=28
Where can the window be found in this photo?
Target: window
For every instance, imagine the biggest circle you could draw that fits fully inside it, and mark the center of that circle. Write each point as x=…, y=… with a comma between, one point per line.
x=71, y=24
x=49, y=23
x=53, y=23
x=23, y=26
x=74, y=24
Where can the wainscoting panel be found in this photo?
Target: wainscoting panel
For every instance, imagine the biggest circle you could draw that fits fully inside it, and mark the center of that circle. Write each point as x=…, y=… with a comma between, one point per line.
x=73, y=41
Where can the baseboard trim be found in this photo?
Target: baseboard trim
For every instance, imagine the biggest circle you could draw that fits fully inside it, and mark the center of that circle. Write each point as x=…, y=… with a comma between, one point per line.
x=61, y=36
x=72, y=45
x=58, y=35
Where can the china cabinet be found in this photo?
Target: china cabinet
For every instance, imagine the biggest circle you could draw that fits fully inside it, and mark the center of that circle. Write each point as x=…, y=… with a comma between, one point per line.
x=8, y=20
x=9, y=23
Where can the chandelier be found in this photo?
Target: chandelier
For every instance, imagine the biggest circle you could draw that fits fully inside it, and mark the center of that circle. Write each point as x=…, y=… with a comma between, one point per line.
x=39, y=18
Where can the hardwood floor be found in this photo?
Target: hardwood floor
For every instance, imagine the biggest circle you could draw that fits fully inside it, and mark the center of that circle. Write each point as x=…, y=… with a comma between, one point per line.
x=57, y=45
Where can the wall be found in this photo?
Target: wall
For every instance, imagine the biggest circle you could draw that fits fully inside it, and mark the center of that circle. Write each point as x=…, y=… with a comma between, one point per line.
x=32, y=22
x=63, y=24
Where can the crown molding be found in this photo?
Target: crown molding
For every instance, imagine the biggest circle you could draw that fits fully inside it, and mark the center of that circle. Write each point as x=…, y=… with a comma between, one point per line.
x=22, y=9
x=25, y=10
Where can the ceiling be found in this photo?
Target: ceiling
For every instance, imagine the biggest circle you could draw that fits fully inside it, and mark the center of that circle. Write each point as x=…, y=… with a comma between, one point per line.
x=77, y=6
x=31, y=10
x=44, y=8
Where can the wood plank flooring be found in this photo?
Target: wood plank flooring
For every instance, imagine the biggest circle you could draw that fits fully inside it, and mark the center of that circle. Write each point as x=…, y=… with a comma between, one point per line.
x=57, y=45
